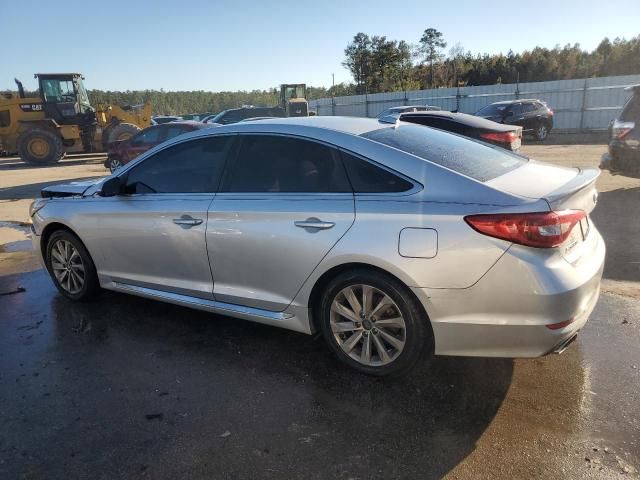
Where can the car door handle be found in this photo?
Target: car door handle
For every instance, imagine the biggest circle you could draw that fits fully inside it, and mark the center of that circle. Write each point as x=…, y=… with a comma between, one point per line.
x=186, y=221
x=314, y=223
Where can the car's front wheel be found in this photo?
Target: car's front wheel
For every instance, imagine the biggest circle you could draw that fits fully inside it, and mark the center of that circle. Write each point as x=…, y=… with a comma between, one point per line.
x=373, y=323
x=70, y=266
x=114, y=164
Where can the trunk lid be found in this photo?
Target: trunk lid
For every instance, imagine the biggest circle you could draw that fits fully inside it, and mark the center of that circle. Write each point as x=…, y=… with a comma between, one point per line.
x=563, y=189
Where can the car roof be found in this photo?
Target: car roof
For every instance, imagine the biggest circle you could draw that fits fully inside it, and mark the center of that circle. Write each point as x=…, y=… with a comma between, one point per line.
x=462, y=118
x=350, y=125
x=522, y=100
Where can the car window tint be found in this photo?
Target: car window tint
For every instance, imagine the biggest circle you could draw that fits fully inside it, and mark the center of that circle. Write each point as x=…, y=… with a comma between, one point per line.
x=194, y=166
x=367, y=177
x=529, y=107
x=475, y=160
x=149, y=135
x=269, y=163
x=631, y=112
x=517, y=109
x=174, y=131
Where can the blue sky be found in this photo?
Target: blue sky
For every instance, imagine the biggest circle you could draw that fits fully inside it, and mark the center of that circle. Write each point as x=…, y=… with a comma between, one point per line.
x=243, y=45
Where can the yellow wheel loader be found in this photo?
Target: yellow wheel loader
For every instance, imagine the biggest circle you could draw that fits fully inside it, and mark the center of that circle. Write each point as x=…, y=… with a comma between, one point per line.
x=61, y=120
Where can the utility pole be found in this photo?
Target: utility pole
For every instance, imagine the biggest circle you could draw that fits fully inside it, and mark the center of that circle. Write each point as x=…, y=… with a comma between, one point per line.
x=333, y=80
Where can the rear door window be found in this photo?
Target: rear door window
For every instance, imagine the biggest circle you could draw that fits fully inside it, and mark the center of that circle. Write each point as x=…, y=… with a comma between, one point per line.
x=475, y=160
x=149, y=136
x=279, y=164
x=175, y=130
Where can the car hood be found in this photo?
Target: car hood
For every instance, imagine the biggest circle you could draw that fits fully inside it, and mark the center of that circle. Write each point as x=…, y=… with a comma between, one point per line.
x=69, y=189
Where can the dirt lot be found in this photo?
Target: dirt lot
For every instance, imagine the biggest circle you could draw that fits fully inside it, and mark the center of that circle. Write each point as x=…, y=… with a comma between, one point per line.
x=124, y=387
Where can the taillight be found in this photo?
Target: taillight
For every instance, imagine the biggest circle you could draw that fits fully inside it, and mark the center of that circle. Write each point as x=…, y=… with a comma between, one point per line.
x=541, y=229
x=622, y=129
x=504, y=137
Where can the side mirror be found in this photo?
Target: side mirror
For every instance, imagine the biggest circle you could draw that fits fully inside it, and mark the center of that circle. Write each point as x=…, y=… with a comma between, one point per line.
x=112, y=187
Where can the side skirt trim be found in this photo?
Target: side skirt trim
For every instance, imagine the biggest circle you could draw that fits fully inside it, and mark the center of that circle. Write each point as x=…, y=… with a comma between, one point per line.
x=248, y=313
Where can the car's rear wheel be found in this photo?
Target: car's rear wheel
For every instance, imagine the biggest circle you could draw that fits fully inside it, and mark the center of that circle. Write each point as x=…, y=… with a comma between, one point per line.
x=373, y=323
x=541, y=132
x=70, y=266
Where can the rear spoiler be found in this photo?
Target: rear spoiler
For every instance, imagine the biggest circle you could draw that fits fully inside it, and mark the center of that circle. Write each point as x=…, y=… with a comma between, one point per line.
x=584, y=180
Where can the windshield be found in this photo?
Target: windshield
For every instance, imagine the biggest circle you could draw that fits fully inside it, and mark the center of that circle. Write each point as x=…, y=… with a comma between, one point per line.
x=492, y=110
x=58, y=91
x=475, y=160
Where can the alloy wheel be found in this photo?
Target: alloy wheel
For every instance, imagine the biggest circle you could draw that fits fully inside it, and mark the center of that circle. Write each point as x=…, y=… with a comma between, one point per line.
x=67, y=266
x=542, y=132
x=114, y=164
x=368, y=325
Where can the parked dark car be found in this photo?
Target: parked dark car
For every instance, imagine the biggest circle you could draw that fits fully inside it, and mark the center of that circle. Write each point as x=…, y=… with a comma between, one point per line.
x=534, y=116
x=405, y=109
x=234, y=115
x=505, y=136
x=624, y=137
x=122, y=152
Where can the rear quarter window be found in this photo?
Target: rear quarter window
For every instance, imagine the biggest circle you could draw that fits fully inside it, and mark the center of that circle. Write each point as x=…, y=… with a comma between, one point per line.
x=478, y=161
x=631, y=111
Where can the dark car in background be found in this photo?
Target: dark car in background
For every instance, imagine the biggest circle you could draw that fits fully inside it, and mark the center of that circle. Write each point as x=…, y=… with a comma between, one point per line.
x=505, y=136
x=235, y=115
x=122, y=152
x=534, y=116
x=624, y=137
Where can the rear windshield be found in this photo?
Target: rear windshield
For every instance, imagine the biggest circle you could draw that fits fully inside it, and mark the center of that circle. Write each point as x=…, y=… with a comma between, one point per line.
x=491, y=110
x=631, y=112
x=473, y=159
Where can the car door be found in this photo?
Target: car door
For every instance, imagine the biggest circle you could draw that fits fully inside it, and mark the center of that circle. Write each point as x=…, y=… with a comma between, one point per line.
x=529, y=112
x=143, y=141
x=284, y=203
x=515, y=115
x=153, y=235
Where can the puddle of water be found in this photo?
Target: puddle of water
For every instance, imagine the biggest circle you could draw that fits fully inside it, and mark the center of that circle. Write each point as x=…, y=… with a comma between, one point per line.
x=14, y=237
x=18, y=246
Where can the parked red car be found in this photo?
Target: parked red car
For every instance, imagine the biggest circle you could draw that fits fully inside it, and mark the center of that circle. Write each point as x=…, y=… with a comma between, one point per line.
x=122, y=152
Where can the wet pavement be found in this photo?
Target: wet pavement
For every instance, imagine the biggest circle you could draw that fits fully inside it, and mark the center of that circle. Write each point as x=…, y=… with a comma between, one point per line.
x=123, y=387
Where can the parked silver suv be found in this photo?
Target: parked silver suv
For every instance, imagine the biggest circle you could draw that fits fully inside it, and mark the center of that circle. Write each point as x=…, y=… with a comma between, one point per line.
x=392, y=240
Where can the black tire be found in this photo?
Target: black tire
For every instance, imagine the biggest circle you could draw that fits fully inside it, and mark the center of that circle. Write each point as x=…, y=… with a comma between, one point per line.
x=40, y=146
x=122, y=131
x=91, y=285
x=418, y=332
x=541, y=132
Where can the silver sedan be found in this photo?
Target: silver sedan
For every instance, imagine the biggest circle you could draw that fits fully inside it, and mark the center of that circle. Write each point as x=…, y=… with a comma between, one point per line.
x=393, y=241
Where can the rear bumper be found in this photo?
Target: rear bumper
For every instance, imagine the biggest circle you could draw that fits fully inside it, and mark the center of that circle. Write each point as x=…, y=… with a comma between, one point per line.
x=508, y=312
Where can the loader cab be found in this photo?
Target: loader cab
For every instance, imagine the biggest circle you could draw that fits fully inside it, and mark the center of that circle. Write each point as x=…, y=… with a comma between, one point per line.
x=64, y=98
x=293, y=99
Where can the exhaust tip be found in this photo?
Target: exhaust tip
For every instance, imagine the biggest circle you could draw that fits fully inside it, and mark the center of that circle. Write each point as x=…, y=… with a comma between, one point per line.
x=565, y=344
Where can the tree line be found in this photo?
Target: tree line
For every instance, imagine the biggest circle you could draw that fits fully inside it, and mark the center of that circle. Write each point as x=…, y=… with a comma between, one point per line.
x=378, y=64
